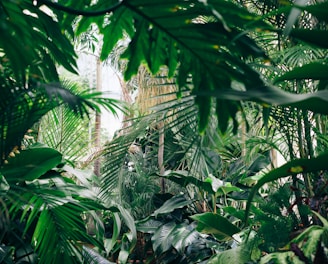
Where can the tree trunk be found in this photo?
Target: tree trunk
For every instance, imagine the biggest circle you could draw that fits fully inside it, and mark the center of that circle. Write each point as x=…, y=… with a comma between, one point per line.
x=97, y=134
x=161, y=154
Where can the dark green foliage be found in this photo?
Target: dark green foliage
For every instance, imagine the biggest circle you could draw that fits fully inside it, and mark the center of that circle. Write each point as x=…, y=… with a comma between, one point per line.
x=214, y=51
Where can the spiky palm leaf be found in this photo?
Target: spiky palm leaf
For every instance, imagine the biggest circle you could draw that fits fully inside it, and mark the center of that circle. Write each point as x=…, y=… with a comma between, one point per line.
x=65, y=131
x=45, y=208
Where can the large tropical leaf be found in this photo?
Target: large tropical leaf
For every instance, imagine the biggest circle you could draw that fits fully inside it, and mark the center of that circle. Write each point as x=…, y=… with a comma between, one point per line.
x=237, y=255
x=313, y=70
x=172, y=204
x=180, y=36
x=220, y=227
x=271, y=95
x=40, y=47
x=30, y=164
x=58, y=241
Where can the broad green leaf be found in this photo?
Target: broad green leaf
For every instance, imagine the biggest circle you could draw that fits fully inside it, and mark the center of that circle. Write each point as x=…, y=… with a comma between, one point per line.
x=31, y=164
x=290, y=168
x=148, y=225
x=182, y=236
x=204, y=107
x=215, y=182
x=238, y=255
x=220, y=227
x=314, y=70
x=121, y=22
x=228, y=188
x=309, y=239
x=110, y=243
x=322, y=219
x=314, y=36
x=184, y=180
x=92, y=256
x=157, y=51
x=234, y=212
x=208, y=53
x=162, y=238
x=288, y=257
x=137, y=51
x=271, y=95
x=170, y=205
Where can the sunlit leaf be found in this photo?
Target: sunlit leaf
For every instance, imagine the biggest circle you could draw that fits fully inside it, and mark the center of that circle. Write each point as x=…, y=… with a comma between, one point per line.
x=220, y=227
x=31, y=164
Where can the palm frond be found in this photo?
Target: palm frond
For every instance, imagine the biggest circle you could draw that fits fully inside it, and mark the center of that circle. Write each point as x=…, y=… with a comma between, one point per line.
x=56, y=240
x=183, y=41
x=46, y=208
x=22, y=107
x=40, y=47
x=61, y=129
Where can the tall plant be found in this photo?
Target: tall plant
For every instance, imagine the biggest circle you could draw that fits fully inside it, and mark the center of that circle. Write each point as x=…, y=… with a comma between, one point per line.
x=211, y=51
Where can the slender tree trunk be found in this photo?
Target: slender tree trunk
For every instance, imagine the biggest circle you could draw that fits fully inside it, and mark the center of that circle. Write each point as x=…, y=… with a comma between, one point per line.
x=161, y=154
x=97, y=135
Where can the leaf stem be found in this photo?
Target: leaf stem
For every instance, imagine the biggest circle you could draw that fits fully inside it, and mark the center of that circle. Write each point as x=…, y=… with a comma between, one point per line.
x=72, y=11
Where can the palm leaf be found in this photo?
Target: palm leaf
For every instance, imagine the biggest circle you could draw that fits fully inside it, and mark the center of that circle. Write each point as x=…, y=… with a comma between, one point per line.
x=22, y=107
x=49, y=208
x=38, y=48
x=180, y=37
x=57, y=241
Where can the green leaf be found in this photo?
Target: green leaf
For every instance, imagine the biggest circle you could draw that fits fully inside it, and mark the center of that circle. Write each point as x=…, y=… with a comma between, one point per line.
x=228, y=188
x=316, y=37
x=215, y=182
x=178, y=236
x=110, y=243
x=293, y=167
x=92, y=256
x=31, y=164
x=182, y=178
x=271, y=95
x=314, y=70
x=148, y=225
x=161, y=238
x=137, y=51
x=59, y=233
x=240, y=214
x=319, y=9
x=204, y=108
x=121, y=21
x=309, y=240
x=6, y=254
x=170, y=205
x=288, y=257
x=220, y=227
x=238, y=255
x=322, y=219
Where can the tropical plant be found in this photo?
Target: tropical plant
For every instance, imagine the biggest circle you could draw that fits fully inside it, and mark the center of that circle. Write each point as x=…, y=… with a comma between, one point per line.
x=42, y=210
x=41, y=207
x=213, y=50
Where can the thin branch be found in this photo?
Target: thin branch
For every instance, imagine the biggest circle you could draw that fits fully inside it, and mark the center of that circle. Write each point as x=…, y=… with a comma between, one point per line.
x=72, y=11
